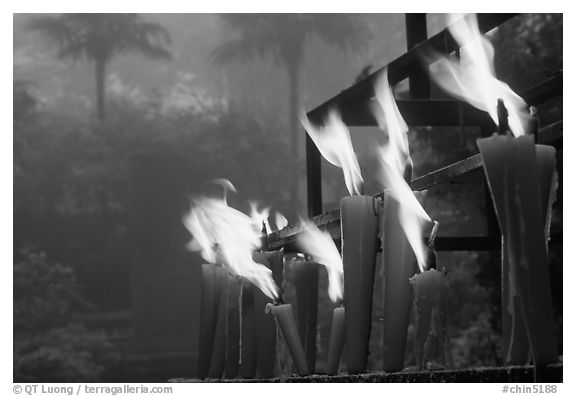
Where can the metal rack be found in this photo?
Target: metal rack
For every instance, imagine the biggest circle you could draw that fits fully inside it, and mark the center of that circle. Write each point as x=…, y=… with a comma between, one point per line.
x=418, y=110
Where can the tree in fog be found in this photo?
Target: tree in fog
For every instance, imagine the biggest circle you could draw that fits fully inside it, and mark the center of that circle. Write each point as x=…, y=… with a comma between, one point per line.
x=99, y=38
x=284, y=37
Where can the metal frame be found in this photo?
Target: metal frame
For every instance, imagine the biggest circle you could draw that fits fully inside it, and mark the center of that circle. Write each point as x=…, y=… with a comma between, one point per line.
x=418, y=110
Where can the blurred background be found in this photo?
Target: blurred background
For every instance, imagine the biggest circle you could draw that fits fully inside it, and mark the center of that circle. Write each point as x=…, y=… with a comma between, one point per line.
x=114, y=131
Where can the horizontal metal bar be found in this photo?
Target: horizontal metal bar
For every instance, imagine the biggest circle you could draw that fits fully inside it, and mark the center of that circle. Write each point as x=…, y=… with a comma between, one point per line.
x=545, y=90
x=331, y=220
x=403, y=66
x=452, y=244
x=436, y=112
x=547, y=135
x=480, y=243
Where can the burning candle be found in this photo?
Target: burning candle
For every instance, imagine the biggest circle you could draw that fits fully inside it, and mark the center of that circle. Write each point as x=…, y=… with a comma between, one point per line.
x=265, y=324
x=248, y=356
x=284, y=316
x=359, y=232
x=336, y=344
x=359, y=224
x=218, y=360
x=430, y=302
x=403, y=221
x=519, y=176
x=320, y=246
x=520, y=179
x=211, y=279
x=233, y=304
x=472, y=78
x=224, y=235
x=399, y=265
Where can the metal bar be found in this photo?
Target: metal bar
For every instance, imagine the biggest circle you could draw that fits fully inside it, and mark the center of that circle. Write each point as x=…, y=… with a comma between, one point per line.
x=550, y=134
x=405, y=65
x=416, y=33
x=313, y=178
x=438, y=112
x=547, y=135
x=544, y=91
x=455, y=243
x=308, y=278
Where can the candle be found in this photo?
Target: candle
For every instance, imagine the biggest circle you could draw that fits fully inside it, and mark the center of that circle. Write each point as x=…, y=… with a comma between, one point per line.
x=399, y=265
x=233, y=303
x=306, y=287
x=336, y=344
x=218, y=360
x=520, y=177
x=359, y=231
x=265, y=324
x=284, y=316
x=208, y=316
x=247, y=367
x=430, y=302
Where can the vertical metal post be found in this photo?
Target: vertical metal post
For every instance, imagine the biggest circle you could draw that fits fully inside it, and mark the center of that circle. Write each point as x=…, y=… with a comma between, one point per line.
x=307, y=279
x=417, y=32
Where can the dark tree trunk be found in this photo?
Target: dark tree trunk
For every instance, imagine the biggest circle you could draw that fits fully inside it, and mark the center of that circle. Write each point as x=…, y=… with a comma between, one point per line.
x=100, y=69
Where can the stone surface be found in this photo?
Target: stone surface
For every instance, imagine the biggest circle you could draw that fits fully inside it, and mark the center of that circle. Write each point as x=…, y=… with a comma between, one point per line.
x=551, y=373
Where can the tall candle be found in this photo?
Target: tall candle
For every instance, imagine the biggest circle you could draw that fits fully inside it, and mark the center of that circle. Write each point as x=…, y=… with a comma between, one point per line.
x=284, y=316
x=218, y=360
x=359, y=231
x=266, y=332
x=515, y=170
x=247, y=367
x=399, y=264
x=336, y=344
x=306, y=287
x=233, y=302
x=210, y=296
x=430, y=306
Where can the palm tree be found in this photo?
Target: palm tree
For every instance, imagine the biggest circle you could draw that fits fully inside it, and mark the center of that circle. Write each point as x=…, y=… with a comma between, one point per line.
x=284, y=38
x=99, y=38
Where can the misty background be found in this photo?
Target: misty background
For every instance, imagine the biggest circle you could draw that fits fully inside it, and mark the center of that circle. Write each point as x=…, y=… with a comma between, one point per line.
x=184, y=108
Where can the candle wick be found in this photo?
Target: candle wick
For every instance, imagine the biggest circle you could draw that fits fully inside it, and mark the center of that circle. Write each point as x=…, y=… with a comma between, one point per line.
x=502, y=112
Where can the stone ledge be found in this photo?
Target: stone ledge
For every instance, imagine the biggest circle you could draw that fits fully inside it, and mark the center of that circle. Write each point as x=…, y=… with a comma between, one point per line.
x=551, y=373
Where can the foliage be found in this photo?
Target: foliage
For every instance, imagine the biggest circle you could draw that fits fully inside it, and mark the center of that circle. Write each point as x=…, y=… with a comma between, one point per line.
x=96, y=37
x=24, y=101
x=284, y=38
x=478, y=344
x=99, y=38
x=64, y=354
x=533, y=47
x=71, y=180
x=46, y=348
x=45, y=294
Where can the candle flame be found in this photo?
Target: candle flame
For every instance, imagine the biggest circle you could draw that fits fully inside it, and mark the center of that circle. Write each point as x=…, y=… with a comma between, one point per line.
x=321, y=247
x=226, y=186
x=334, y=143
x=390, y=119
x=280, y=221
x=472, y=79
x=226, y=236
x=394, y=157
x=260, y=216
